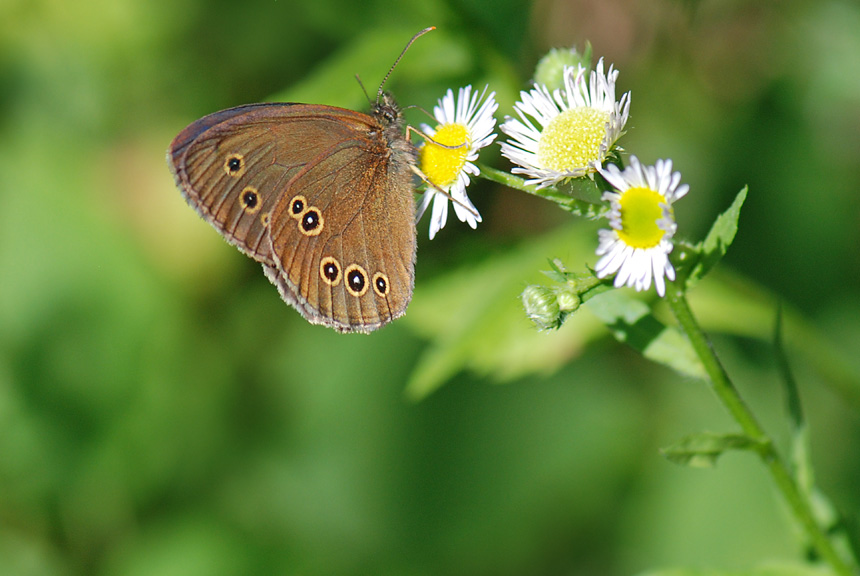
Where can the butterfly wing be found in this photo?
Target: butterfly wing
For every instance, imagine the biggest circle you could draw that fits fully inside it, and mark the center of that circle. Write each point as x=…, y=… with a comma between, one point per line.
x=344, y=254
x=231, y=166
x=344, y=235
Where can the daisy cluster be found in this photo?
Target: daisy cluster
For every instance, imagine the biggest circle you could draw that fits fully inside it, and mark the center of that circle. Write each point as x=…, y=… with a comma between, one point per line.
x=560, y=134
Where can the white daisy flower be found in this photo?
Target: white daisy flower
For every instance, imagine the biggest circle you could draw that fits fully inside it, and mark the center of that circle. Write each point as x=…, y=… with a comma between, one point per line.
x=637, y=247
x=569, y=133
x=464, y=128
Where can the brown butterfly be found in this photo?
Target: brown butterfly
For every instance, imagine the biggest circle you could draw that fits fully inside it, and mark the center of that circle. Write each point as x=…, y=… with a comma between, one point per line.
x=321, y=196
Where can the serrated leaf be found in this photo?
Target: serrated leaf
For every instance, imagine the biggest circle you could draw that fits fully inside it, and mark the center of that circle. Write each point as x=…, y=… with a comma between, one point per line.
x=632, y=322
x=702, y=450
x=719, y=238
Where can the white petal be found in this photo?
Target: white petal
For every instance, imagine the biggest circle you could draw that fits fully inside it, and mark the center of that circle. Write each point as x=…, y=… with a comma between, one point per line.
x=439, y=215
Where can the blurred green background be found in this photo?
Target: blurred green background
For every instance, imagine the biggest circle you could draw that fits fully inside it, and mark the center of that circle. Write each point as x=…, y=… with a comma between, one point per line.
x=162, y=412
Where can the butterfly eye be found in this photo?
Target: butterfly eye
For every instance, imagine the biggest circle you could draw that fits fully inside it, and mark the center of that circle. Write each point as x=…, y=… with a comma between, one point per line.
x=330, y=271
x=311, y=223
x=234, y=165
x=380, y=284
x=250, y=199
x=356, y=280
x=387, y=111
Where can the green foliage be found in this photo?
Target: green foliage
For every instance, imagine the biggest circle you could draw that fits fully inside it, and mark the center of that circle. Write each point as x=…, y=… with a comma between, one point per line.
x=715, y=245
x=438, y=54
x=484, y=329
x=162, y=411
x=632, y=322
x=703, y=449
x=772, y=569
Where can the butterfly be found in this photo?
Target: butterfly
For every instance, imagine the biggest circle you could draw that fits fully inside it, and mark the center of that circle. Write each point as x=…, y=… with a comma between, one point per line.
x=322, y=197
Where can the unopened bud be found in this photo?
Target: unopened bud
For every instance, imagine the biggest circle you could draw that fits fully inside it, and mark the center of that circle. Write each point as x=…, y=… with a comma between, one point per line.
x=541, y=305
x=550, y=69
x=568, y=301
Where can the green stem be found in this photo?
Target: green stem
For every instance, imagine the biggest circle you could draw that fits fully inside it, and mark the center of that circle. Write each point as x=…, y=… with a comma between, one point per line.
x=581, y=197
x=722, y=386
x=507, y=179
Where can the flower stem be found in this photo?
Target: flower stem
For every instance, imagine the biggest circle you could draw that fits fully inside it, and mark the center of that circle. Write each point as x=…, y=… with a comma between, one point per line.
x=797, y=500
x=582, y=198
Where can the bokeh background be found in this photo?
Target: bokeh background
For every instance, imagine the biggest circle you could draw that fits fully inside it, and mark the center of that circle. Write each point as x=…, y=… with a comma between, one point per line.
x=162, y=412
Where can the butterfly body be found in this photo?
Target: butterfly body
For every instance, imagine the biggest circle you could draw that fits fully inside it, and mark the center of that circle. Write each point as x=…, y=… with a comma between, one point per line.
x=321, y=196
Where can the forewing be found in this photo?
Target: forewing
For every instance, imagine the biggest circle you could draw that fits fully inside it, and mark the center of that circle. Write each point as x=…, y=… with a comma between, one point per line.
x=232, y=166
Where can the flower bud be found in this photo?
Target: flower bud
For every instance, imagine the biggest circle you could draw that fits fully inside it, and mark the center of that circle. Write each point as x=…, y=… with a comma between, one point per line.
x=550, y=69
x=567, y=301
x=541, y=305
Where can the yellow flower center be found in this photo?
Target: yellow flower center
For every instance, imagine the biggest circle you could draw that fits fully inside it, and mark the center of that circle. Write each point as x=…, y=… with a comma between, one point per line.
x=640, y=210
x=572, y=139
x=442, y=165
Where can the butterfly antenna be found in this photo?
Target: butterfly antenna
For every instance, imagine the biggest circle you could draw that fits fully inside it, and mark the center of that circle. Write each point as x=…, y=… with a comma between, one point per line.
x=363, y=89
x=396, y=62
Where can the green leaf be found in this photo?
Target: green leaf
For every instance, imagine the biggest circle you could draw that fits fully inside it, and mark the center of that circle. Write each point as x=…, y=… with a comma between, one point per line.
x=769, y=569
x=731, y=304
x=474, y=320
x=800, y=457
x=702, y=450
x=795, y=410
x=584, y=189
x=716, y=243
x=557, y=271
x=800, y=453
x=632, y=322
x=506, y=346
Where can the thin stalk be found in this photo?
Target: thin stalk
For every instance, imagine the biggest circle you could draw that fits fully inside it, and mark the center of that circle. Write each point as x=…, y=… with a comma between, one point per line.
x=581, y=196
x=722, y=386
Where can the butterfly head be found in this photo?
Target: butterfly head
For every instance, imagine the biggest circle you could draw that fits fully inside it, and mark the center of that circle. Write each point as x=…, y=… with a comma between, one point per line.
x=387, y=111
